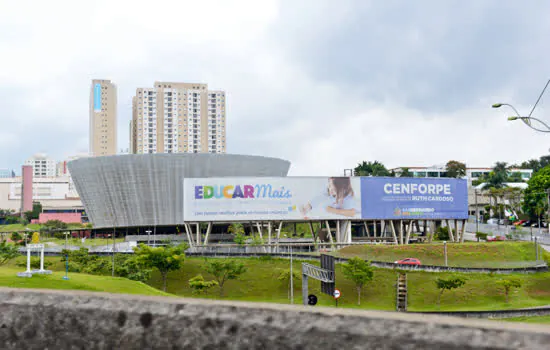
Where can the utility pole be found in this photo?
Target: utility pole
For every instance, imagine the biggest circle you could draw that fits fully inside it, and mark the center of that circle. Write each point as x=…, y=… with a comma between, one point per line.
x=291, y=279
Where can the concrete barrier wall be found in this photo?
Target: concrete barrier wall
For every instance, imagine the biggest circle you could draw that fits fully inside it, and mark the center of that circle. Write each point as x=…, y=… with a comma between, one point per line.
x=542, y=311
x=31, y=319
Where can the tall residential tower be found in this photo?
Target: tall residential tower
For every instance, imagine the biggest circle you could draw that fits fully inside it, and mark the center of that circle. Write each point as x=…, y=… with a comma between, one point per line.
x=103, y=118
x=178, y=118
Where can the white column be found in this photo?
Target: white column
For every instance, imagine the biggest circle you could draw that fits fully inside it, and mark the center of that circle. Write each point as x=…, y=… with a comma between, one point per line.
x=28, y=259
x=42, y=259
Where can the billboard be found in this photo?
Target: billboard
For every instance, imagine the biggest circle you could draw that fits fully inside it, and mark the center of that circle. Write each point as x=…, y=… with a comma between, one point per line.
x=97, y=98
x=271, y=198
x=414, y=198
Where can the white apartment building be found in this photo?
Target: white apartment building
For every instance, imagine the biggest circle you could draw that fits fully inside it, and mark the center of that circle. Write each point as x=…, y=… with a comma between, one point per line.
x=178, y=118
x=43, y=166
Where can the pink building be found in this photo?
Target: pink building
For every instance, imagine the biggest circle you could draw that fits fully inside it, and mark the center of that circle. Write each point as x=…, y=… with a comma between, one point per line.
x=68, y=218
x=26, y=188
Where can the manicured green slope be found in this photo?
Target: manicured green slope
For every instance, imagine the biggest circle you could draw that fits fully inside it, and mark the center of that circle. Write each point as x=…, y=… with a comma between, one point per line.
x=492, y=254
x=260, y=283
x=8, y=278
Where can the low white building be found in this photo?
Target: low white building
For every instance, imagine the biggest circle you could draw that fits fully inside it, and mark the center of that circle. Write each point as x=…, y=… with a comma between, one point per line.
x=471, y=173
x=54, y=193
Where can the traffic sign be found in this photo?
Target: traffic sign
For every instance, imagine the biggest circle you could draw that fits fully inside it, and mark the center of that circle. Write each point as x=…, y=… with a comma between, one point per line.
x=311, y=299
x=336, y=294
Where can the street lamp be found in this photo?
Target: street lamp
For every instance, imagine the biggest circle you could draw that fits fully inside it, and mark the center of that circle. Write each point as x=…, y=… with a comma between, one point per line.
x=527, y=120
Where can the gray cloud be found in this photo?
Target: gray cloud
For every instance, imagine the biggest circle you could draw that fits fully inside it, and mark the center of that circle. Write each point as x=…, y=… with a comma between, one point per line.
x=323, y=84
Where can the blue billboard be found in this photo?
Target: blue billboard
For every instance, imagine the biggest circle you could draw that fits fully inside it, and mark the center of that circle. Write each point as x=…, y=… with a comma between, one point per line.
x=97, y=98
x=413, y=198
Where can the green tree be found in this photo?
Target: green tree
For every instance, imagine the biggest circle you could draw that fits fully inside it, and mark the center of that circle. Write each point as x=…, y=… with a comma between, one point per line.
x=52, y=225
x=405, y=173
x=8, y=252
x=450, y=283
x=284, y=277
x=455, y=169
x=360, y=272
x=6, y=212
x=130, y=267
x=16, y=237
x=34, y=213
x=508, y=284
x=164, y=259
x=535, y=193
x=371, y=169
x=200, y=286
x=224, y=270
x=238, y=230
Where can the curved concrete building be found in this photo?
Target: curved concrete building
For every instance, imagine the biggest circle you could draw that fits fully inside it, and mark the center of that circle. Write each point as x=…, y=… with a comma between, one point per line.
x=147, y=189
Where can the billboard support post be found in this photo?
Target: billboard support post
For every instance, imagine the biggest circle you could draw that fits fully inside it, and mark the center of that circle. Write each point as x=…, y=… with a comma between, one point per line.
x=393, y=232
x=366, y=228
x=208, y=230
x=259, y=230
x=409, y=229
x=450, y=229
x=329, y=232
x=279, y=236
x=189, y=235
x=401, y=232
x=269, y=235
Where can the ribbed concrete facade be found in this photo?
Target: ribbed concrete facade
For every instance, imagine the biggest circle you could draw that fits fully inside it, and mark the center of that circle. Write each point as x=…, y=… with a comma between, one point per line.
x=147, y=189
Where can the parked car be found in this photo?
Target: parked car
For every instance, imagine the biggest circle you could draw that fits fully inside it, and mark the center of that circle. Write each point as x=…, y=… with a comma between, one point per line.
x=520, y=222
x=495, y=238
x=408, y=261
x=492, y=221
x=542, y=224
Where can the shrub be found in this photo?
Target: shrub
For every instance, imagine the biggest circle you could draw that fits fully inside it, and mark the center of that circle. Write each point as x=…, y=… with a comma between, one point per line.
x=442, y=234
x=16, y=236
x=35, y=263
x=481, y=236
x=266, y=258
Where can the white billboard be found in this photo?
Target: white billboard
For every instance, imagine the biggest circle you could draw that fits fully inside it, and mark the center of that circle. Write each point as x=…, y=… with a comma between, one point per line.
x=271, y=198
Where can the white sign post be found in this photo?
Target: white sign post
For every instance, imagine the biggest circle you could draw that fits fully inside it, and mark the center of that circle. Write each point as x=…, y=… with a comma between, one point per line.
x=336, y=296
x=41, y=271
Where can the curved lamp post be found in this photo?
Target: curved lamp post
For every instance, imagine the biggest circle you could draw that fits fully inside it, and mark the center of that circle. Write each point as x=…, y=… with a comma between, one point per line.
x=527, y=120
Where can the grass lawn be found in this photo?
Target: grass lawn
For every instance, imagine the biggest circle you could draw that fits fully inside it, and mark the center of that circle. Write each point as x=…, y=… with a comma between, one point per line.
x=19, y=227
x=78, y=242
x=534, y=319
x=260, y=283
x=35, y=227
x=493, y=254
x=8, y=278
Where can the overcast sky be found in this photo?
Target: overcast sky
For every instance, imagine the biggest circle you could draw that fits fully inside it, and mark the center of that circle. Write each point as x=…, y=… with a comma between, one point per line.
x=324, y=84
